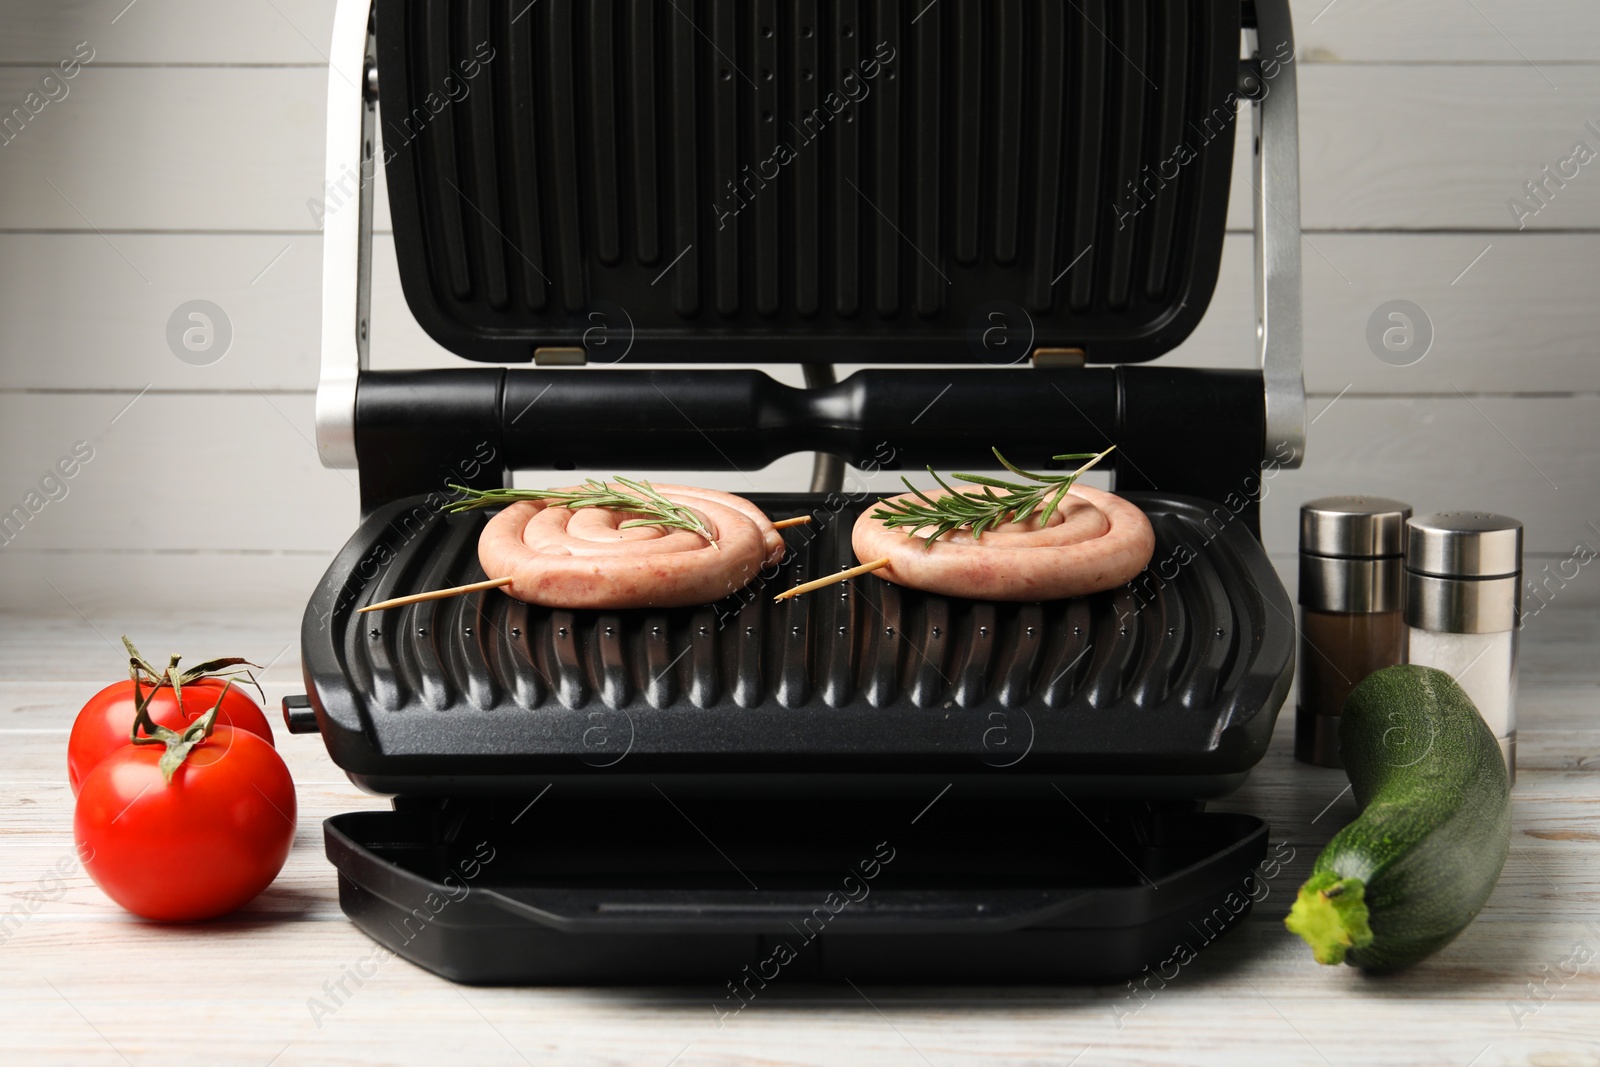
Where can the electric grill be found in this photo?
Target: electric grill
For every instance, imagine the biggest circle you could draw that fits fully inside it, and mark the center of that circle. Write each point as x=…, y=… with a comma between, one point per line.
x=987, y=201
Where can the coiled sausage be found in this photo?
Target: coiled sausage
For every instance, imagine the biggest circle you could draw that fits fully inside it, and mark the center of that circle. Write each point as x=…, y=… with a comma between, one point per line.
x=562, y=557
x=1095, y=540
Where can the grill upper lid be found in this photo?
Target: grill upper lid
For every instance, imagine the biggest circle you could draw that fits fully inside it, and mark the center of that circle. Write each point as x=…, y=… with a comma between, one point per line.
x=795, y=180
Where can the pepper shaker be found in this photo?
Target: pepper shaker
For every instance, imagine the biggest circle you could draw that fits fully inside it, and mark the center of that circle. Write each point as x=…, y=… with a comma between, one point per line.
x=1463, y=605
x=1352, y=552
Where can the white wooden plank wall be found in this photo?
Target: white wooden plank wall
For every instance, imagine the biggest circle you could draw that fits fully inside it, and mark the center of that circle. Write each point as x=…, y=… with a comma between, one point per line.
x=179, y=164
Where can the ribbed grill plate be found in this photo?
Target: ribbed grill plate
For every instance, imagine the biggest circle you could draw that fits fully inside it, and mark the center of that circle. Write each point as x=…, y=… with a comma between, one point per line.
x=1181, y=672
x=956, y=181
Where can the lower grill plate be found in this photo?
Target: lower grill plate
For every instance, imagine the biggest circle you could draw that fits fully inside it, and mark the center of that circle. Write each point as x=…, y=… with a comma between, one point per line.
x=1167, y=686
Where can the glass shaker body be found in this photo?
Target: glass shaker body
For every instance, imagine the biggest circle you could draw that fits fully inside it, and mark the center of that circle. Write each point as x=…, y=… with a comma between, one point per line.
x=1463, y=599
x=1351, y=618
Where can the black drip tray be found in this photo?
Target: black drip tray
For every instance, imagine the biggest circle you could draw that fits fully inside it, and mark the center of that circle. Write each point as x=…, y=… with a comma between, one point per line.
x=944, y=888
x=1167, y=686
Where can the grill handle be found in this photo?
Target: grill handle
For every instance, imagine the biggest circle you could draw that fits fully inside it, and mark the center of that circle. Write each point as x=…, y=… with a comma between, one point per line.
x=1176, y=429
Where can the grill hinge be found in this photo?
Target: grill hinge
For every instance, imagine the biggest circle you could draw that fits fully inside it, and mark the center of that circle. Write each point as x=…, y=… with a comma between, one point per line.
x=1060, y=358
x=1252, y=81
x=552, y=356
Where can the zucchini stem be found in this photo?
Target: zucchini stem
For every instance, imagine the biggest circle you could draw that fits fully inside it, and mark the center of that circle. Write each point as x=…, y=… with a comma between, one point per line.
x=1331, y=915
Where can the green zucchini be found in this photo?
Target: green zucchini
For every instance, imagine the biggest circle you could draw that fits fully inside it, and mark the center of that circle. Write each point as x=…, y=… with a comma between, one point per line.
x=1414, y=869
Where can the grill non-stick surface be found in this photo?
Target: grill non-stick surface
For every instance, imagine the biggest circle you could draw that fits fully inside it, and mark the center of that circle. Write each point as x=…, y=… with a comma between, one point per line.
x=1179, y=673
x=722, y=181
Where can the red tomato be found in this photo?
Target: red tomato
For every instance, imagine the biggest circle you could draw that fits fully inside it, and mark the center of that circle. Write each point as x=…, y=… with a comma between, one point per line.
x=195, y=848
x=102, y=726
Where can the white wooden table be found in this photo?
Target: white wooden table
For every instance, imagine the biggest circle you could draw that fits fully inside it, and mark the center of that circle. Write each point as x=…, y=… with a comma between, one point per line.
x=83, y=983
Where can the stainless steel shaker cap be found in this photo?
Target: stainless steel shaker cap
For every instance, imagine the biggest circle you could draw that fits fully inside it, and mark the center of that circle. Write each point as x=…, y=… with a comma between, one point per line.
x=1354, y=526
x=1464, y=544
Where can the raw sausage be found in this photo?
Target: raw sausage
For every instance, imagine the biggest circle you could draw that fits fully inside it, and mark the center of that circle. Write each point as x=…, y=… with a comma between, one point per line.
x=562, y=557
x=1095, y=540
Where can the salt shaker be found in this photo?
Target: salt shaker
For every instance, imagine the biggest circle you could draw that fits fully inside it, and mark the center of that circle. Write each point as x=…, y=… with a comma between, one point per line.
x=1463, y=602
x=1351, y=621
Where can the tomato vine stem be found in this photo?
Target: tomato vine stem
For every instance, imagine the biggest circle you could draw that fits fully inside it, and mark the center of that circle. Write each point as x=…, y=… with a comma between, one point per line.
x=179, y=743
x=226, y=667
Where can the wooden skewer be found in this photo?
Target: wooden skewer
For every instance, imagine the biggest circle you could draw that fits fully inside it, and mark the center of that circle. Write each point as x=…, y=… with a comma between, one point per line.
x=833, y=579
x=437, y=594
x=497, y=583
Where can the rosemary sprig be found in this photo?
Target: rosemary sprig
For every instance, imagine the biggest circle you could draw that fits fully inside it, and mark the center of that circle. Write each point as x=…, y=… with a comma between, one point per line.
x=987, y=509
x=639, y=498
